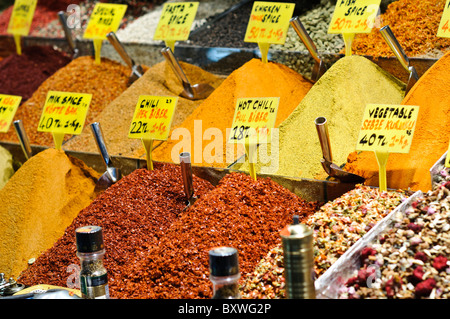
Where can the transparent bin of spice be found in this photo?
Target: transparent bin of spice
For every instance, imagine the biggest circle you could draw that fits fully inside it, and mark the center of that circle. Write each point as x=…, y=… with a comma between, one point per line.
x=333, y=280
x=438, y=173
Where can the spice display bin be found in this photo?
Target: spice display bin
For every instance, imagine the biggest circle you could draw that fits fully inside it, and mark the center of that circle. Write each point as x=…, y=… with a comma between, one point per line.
x=435, y=169
x=329, y=284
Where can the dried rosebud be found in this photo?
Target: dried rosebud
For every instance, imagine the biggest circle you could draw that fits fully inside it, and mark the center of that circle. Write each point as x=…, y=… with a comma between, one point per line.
x=440, y=263
x=351, y=281
x=414, y=227
x=421, y=256
x=364, y=274
x=424, y=288
x=417, y=275
x=366, y=252
x=392, y=285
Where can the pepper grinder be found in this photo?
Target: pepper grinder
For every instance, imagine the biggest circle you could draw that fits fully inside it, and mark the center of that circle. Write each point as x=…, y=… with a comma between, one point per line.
x=224, y=272
x=297, y=241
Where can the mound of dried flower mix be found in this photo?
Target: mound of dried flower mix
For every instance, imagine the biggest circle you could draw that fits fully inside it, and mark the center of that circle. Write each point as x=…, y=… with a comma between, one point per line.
x=240, y=213
x=411, y=259
x=337, y=226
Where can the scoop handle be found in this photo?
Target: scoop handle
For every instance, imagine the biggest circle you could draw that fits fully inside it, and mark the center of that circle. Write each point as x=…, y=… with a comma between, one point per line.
x=23, y=138
x=176, y=67
x=99, y=140
x=112, y=38
x=324, y=138
x=67, y=32
x=186, y=172
x=304, y=36
x=395, y=46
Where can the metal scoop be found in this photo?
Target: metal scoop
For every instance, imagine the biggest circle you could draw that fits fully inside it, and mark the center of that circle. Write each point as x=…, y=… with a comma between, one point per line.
x=332, y=169
x=112, y=174
x=23, y=139
x=319, y=67
x=68, y=33
x=136, y=69
x=186, y=172
x=389, y=37
x=192, y=92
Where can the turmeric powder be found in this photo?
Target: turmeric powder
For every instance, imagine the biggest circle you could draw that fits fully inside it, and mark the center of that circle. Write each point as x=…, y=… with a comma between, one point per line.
x=430, y=140
x=38, y=203
x=117, y=116
x=253, y=79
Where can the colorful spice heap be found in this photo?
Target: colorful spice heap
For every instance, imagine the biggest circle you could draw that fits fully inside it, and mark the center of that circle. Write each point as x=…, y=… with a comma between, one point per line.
x=430, y=139
x=134, y=213
x=337, y=226
x=411, y=259
x=443, y=175
x=38, y=203
x=217, y=111
x=22, y=74
x=240, y=213
x=116, y=118
x=341, y=96
x=104, y=81
x=414, y=24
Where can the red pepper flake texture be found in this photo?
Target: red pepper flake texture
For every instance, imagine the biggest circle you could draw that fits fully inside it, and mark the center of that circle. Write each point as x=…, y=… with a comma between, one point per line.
x=134, y=214
x=240, y=213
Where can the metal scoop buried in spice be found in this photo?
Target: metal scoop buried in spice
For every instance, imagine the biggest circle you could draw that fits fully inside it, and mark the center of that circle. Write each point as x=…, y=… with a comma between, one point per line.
x=332, y=169
x=136, y=69
x=319, y=67
x=112, y=174
x=390, y=39
x=23, y=139
x=197, y=91
x=68, y=34
x=186, y=172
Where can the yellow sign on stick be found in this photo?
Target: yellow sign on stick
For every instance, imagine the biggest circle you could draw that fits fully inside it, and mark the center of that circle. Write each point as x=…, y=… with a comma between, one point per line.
x=387, y=129
x=444, y=25
x=152, y=120
x=268, y=24
x=353, y=16
x=8, y=108
x=175, y=22
x=64, y=113
x=253, y=121
x=20, y=21
x=105, y=18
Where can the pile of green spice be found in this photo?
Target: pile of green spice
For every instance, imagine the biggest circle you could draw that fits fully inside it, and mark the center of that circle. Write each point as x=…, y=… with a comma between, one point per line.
x=337, y=226
x=340, y=95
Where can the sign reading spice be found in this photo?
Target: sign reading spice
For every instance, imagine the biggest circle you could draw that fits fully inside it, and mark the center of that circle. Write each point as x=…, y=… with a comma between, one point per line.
x=105, y=18
x=20, y=21
x=444, y=26
x=175, y=22
x=268, y=24
x=152, y=120
x=8, y=108
x=64, y=113
x=351, y=17
x=387, y=129
x=253, y=121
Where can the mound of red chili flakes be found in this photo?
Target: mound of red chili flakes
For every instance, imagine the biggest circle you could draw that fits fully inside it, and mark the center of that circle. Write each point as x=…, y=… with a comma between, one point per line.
x=134, y=213
x=240, y=213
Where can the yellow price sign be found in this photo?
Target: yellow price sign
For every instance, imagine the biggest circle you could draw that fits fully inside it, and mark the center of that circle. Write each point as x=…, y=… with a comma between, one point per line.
x=153, y=117
x=387, y=128
x=64, y=112
x=354, y=16
x=444, y=25
x=105, y=18
x=8, y=108
x=253, y=119
x=175, y=22
x=269, y=22
x=21, y=17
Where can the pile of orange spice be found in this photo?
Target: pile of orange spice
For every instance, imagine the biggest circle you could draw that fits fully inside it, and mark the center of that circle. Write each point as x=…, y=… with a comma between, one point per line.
x=415, y=25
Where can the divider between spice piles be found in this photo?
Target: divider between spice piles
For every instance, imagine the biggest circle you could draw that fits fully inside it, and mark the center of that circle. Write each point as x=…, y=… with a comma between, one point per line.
x=309, y=189
x=328, y=285
x=435, y=170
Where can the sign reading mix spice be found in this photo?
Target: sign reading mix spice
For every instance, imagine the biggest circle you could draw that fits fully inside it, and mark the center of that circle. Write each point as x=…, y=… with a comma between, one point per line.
x=175, y=22
x=444, y=26
x=64, y=112
x=253, y=119
x=153, y=117
x=387, y=128
x=8, y=108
